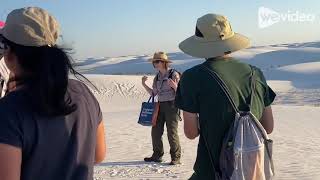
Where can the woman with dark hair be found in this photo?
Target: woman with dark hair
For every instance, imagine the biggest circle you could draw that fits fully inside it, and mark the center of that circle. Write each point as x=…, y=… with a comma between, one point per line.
x=51, y=126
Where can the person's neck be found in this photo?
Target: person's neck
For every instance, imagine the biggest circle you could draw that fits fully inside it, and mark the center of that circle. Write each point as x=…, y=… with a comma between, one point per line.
x=225, y=57
x=17, y=81
x=163, y=71
x=14, y=85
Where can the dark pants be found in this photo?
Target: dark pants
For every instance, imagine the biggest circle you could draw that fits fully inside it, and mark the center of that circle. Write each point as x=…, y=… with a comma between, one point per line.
x=168, y=114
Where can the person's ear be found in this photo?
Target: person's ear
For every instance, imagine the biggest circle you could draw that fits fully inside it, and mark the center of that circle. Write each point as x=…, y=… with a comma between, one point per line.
x=9, y=58
x=6, y=51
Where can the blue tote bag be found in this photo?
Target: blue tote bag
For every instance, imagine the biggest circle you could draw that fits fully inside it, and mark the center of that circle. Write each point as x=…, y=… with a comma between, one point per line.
x=149, y=112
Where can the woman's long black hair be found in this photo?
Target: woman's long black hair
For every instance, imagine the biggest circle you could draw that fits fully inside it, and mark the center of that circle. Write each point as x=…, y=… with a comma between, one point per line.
x=47, y=75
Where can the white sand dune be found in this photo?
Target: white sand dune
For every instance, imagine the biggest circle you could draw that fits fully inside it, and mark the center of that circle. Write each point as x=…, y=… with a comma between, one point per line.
x=265, y=57
x=304, y=68
x=292, y=71
x=296, y=64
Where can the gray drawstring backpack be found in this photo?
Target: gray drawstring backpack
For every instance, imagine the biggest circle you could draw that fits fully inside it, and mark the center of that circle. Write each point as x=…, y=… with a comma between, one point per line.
x=246, y=152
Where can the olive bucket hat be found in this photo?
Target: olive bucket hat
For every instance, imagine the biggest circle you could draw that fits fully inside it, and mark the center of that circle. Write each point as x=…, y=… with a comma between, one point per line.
x=214, y=37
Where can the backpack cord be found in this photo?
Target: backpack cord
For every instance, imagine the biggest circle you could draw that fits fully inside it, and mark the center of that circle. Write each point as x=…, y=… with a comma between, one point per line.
x=228, y=94
x=216, y=173
x=222, y=85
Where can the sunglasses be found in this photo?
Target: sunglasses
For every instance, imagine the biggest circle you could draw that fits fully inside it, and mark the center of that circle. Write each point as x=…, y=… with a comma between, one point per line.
x=3, y=44
x=157, y=61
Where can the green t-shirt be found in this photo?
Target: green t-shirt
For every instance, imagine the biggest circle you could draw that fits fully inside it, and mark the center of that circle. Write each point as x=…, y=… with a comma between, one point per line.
x=199, y=93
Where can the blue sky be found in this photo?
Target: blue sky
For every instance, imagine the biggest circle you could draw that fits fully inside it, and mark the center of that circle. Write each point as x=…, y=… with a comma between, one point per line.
x=95, y=28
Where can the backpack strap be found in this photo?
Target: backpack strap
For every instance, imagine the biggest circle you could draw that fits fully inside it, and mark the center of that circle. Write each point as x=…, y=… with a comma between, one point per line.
x=226, y=90
x=253, y=86
x=171, y=72
x=223, y=86
x=228, y=94
x=157, y=77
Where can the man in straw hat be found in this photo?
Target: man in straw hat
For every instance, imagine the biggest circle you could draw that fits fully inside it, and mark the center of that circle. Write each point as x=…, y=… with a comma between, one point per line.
x=164, y=86
x=206, y=110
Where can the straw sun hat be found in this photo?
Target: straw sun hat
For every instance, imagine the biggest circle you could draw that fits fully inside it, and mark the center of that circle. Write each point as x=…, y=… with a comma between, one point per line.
x=160, y=56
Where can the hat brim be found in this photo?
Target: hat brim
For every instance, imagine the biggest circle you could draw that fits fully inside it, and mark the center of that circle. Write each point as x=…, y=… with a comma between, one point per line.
x=152, y=60
x=196, y=47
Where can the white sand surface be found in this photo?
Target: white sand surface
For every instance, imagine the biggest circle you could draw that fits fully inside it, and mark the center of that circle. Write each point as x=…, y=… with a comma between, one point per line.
x=292, y=70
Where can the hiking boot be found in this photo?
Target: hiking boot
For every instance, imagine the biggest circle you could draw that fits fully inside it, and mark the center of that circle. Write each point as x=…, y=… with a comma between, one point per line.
x=153, y=159
x=175, y=162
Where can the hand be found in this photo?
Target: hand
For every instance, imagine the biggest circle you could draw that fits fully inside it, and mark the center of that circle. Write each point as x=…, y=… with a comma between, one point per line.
x=173, y=83
x=144, y=79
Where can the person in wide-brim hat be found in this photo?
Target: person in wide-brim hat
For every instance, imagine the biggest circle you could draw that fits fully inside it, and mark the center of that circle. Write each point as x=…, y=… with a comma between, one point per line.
x=164, y=86
x=213, y=37
x=210, y=94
